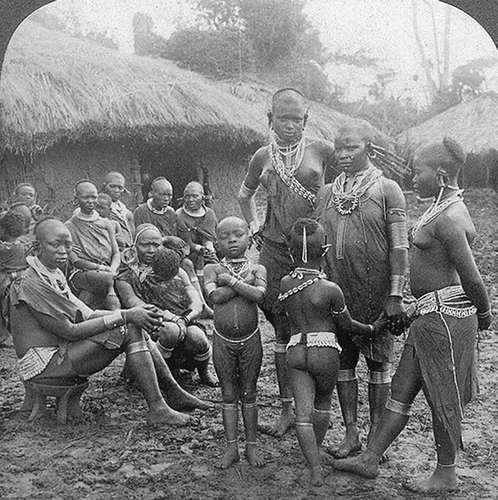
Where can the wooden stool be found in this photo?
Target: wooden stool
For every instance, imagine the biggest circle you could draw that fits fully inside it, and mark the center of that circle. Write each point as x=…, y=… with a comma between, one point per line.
x=67, y=400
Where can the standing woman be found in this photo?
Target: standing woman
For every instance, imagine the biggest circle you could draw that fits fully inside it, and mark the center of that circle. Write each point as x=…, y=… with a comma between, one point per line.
x=291, y=169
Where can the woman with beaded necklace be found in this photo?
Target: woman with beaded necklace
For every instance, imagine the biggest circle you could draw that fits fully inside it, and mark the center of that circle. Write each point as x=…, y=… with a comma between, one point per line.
x=291, y=169
x=364, y=217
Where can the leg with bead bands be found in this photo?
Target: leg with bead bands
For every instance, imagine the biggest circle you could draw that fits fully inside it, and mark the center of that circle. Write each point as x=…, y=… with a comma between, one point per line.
x=230, y=412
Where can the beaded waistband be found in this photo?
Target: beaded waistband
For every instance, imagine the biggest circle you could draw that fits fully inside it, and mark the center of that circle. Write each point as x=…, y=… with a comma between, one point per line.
x=450, y=300
x=236, y=341
x=315, y=339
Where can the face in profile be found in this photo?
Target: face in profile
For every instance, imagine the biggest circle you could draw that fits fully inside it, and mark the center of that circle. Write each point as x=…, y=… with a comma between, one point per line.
x=103, y=206
x=425, y=177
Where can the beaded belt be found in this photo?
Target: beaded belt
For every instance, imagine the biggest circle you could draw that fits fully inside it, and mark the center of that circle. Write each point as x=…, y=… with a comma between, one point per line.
x=315, y=339
x=450, y=300
x=236, y=341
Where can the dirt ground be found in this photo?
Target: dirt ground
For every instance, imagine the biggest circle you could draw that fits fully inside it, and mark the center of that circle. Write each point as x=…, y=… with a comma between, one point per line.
x=111, y=454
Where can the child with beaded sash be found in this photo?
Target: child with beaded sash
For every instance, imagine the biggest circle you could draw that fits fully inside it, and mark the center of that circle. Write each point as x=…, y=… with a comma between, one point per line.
x=235, y=286
x=316, y=310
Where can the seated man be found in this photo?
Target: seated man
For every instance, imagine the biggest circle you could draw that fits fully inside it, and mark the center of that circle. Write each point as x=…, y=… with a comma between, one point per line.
x=95, y=254
x=156, y=278
x=59, y=339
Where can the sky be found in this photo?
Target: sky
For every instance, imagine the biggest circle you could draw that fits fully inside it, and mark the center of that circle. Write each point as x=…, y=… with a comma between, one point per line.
x=380, y=28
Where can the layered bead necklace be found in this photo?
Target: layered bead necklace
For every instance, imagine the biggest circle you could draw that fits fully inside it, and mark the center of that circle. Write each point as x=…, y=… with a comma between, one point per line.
x=236, y=267
x=346, y=202
x=439, y=206
x=289, y=157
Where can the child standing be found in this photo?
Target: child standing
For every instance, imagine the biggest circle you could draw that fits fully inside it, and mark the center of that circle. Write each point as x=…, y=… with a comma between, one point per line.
x=316, y=309
x=235, y=286
x=197, y=226
x=12, y=260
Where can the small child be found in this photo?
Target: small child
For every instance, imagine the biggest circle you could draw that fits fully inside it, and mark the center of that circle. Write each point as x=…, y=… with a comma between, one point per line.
x=197, y=226
x=316, y=309
x=235, y=286
x=103, y=208
x=12, y=259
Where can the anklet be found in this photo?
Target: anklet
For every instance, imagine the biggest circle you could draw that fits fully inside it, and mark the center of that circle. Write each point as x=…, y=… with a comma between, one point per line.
x=287, y=400
x=447, y=466
x=304, y=424
x=252, y=442
x=231, y=441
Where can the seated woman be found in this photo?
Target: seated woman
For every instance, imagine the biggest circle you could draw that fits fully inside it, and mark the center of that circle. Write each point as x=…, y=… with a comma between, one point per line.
x=316, y=310
x=155, y=277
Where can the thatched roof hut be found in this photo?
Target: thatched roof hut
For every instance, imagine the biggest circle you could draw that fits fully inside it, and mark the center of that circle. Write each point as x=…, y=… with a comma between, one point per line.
x=70, y=108
x=473, y=124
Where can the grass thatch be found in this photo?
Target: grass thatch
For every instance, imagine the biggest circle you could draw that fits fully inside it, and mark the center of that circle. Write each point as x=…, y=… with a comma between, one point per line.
x=473, y=124
x=57, y=88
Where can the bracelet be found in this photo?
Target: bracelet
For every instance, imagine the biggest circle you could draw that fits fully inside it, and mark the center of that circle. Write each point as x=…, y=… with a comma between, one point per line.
x=484, y=315
x=397, y=285
x=114, y=320
x=233, y=282
x=372, y=329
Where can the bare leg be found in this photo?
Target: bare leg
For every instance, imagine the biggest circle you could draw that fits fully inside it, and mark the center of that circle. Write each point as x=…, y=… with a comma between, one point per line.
x=379, y=384
x=177, y=398
x=250, y=416
x=303, y=387
x=230, y=423
x=347, y=391
x=286, y=420
x=142, y=366
x=444, y=478
x=407, y=382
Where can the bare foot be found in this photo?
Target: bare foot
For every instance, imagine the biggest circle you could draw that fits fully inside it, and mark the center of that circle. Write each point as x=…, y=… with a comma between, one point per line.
x=230, y=457
x=207, y=379
x=443, y=480
x=252, y=456
x=316, y=475
x=348, y=445
x=361, y=465
x=284, y=423
x=179, y=399
x=166, y=416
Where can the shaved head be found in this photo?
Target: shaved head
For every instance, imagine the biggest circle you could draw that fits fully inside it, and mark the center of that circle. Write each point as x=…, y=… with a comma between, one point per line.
x=84, y=185
x=231, y=222
x=361, y=128
x=160, y=183
x=447, y=155
x=48, y=227
x=113, y=177
x=288, y=95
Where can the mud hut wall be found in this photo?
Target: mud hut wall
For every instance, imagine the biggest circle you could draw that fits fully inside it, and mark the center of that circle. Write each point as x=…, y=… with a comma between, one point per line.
x=55, y=172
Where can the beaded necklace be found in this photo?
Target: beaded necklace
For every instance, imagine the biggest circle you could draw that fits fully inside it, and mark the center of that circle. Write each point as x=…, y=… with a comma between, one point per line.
x=299, y=273
x=290, y=156
x=346, y=202
x=236, y=267
x=436, y=209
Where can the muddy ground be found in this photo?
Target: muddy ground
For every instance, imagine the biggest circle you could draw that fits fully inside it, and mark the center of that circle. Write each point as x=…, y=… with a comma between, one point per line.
x=111, y=454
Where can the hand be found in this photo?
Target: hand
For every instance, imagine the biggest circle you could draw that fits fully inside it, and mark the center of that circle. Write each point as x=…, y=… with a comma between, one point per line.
x=223, y=279
x=380, y=325
x=147, y=316
x=396, y=315
x=483, y=323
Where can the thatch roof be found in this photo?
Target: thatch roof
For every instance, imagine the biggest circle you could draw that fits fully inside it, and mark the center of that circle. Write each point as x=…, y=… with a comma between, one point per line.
x=57, y=88
x=473, y=124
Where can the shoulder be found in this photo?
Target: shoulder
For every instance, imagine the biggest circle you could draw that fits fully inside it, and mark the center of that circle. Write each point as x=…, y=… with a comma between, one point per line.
x=257, y=268
x=140, y=208
x=391, y=190
x=454, y=217
x=259, y=158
